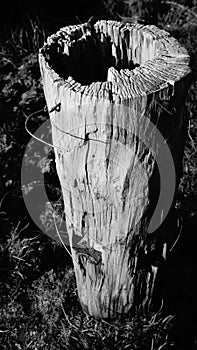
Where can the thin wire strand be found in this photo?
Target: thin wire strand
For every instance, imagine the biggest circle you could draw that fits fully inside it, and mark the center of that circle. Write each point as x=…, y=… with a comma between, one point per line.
x=32, y=135
x=77, y=137
x=57, y=107
x=61, y=237
x=64, y=132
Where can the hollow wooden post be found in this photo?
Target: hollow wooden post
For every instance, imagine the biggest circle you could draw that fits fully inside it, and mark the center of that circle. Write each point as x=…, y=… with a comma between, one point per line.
x=115, y=86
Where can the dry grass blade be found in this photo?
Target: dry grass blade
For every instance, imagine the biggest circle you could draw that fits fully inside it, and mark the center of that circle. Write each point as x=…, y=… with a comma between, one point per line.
x=184, y=8
x=67, y=318
x=191, y=139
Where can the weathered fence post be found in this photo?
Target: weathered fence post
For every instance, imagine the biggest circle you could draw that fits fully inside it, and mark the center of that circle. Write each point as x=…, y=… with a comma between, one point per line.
x=119, y=93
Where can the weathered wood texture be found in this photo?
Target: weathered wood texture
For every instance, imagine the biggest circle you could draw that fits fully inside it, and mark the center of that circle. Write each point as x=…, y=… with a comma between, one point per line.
x=114, y=82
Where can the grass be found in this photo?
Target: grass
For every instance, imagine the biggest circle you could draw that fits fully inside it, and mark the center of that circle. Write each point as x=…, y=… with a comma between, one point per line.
x=22, y=40
x=47, y=315
x=39, y=306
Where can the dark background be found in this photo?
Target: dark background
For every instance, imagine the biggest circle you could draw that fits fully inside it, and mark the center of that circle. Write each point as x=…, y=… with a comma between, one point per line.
x=52, y=13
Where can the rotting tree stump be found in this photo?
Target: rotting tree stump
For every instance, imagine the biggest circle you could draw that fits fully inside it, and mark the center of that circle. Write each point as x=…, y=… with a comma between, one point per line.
x=115, y=86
